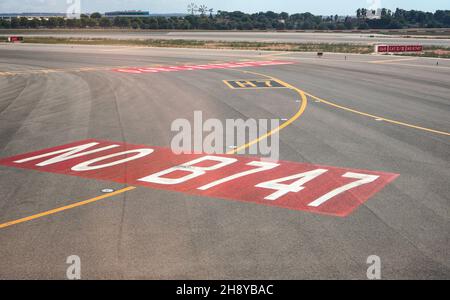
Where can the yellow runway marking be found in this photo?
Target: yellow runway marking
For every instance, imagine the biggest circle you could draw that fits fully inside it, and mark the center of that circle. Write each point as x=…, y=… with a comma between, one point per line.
x=253, y=84
x=354, y=110
x=60, y=209
x=376, y=117
x=301, y=110
x=228, y=84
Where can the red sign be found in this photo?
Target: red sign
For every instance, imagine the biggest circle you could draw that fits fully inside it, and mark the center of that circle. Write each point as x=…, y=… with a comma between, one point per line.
x=231, y=65
x=291, y=185
x=400, y=48
x=14, y=39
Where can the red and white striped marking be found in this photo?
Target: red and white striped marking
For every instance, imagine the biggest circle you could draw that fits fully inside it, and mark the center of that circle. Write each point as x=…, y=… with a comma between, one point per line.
x=291, y=185
x=231, y=65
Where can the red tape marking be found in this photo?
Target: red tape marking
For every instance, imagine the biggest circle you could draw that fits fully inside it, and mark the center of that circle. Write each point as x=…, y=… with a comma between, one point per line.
x=304, y=187
x=231, y=65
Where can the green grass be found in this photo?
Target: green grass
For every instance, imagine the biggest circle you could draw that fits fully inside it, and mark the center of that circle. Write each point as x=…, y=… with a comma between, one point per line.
x=319, y=47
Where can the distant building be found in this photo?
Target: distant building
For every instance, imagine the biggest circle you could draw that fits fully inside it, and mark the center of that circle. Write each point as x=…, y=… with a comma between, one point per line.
x=127, y=14
x=31, y=16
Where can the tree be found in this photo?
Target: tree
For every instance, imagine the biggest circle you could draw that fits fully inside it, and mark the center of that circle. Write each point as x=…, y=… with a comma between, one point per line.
x=105, y=22
x=364, y=13
x=5, y=23
x=52, y=22
x=34, y=23
x=73, y=23
x=363, y=26
x=96, y=15
x=223, y=20
x=284, y=16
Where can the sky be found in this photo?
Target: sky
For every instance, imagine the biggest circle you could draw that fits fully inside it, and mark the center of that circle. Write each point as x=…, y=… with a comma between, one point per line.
x=318, y=7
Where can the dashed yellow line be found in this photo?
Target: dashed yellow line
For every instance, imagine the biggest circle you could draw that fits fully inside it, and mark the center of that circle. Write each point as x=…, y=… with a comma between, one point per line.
x=63, y=208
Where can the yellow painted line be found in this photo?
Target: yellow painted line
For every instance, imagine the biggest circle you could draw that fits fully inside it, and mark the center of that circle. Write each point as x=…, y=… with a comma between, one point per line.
x=392, y=60
x=251, y=86
x=301, y=110
x=259, y=88
x=228, y=84
x=377, y=117
x=245, y=84
x=60, y=209
x=354, y=110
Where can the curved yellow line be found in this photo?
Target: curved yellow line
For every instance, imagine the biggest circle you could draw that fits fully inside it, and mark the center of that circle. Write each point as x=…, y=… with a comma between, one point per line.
x=353, y=110
x=301, y=110
x=376, y=117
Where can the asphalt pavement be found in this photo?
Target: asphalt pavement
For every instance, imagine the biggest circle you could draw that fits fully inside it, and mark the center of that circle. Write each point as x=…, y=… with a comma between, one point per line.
x=370, y=112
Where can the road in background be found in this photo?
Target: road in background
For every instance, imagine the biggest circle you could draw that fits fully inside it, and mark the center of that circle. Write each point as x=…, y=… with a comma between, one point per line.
x=56, y=94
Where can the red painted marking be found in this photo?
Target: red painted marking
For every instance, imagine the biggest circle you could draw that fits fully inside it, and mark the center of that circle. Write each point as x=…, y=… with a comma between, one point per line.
x=231, y=65
x=242, y=189
x=400, y=48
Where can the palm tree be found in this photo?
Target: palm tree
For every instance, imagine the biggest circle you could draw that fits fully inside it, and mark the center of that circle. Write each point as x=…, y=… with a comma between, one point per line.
x=364, y=13
x=192, y=8
x=211, y=11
